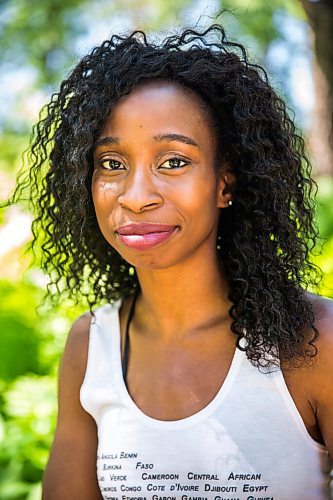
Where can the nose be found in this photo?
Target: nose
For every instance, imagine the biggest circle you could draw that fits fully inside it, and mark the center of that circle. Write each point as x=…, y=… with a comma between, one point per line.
x=139, y=191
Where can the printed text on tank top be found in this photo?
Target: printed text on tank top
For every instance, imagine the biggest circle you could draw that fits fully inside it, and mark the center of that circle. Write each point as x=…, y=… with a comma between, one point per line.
x=249, y=440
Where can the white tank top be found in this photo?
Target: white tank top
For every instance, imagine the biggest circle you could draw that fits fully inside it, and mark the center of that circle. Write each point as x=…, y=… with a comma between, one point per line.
x=248, y=443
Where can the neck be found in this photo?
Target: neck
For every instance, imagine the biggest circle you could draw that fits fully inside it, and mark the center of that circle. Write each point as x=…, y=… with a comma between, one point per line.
x=184, y=298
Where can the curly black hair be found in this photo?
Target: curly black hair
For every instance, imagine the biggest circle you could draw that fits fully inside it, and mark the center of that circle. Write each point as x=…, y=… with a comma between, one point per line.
x=265, y=239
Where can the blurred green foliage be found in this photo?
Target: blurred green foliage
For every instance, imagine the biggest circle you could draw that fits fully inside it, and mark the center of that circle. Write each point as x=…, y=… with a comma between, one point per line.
x=55, y=24
x=256, y=18
x=31, y=346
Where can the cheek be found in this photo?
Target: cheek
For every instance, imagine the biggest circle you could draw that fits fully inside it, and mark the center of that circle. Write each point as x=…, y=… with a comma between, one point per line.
x=103, y=194
x=104, y=198
x=199, y=198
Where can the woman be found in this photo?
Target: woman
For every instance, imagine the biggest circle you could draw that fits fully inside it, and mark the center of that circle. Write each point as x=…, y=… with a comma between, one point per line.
x=178, y=189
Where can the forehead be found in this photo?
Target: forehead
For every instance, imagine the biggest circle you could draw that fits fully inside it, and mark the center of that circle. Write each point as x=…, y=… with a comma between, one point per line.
x=163, y=106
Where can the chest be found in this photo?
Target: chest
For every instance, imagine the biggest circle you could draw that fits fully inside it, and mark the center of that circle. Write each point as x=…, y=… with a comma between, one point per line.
x=169, y=381
x=238, y=444
x=175, y=382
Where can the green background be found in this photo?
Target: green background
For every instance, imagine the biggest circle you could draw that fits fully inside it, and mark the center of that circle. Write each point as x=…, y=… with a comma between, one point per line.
x=41, y=41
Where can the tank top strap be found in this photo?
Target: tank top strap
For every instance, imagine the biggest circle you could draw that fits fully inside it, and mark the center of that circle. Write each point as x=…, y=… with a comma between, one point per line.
x=126, y=334
x=103, y=370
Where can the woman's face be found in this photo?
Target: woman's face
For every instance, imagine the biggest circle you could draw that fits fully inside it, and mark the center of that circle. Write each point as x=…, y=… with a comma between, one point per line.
x=154, y=164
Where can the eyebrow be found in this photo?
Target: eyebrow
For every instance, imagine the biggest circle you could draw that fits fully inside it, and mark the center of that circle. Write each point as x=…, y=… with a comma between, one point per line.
x=106, y=141
x=111, y=140
x=176, y=138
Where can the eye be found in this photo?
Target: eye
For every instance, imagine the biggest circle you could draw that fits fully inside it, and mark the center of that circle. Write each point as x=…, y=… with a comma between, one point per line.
x=174, y=163
x=110, y=164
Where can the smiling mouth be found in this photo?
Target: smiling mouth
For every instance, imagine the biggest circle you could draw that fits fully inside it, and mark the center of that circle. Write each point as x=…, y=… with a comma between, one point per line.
x=146, y=240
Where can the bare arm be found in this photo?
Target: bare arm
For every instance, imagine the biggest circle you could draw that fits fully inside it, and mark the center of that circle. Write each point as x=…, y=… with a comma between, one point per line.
x=71, y=470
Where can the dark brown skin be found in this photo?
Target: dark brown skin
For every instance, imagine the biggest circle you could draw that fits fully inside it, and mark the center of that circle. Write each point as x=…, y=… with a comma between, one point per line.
x=181, y=342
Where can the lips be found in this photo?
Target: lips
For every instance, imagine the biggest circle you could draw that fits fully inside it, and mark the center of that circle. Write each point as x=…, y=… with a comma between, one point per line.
x=145, y=235
x=144, y=228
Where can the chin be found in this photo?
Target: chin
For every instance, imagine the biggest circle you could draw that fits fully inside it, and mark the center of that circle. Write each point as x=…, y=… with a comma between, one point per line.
x=154, y=259
x=149, y=262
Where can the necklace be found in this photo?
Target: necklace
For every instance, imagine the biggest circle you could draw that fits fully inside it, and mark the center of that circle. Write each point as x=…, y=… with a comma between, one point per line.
x=127, y=339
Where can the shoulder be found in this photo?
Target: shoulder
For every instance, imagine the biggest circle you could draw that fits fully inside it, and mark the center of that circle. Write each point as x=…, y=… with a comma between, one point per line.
x=76, y=347
x=322, y=305
x=81, y=325
x=320, y=375
x=80, y=328
x=323, y=311
x=315, y=378
x=78, y=336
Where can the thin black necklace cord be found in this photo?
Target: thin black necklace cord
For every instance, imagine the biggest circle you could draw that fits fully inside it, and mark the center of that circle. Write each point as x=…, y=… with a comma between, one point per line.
x=127, y=339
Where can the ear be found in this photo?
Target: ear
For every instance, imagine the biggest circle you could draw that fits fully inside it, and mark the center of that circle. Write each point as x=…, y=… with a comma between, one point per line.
x=225, y=186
